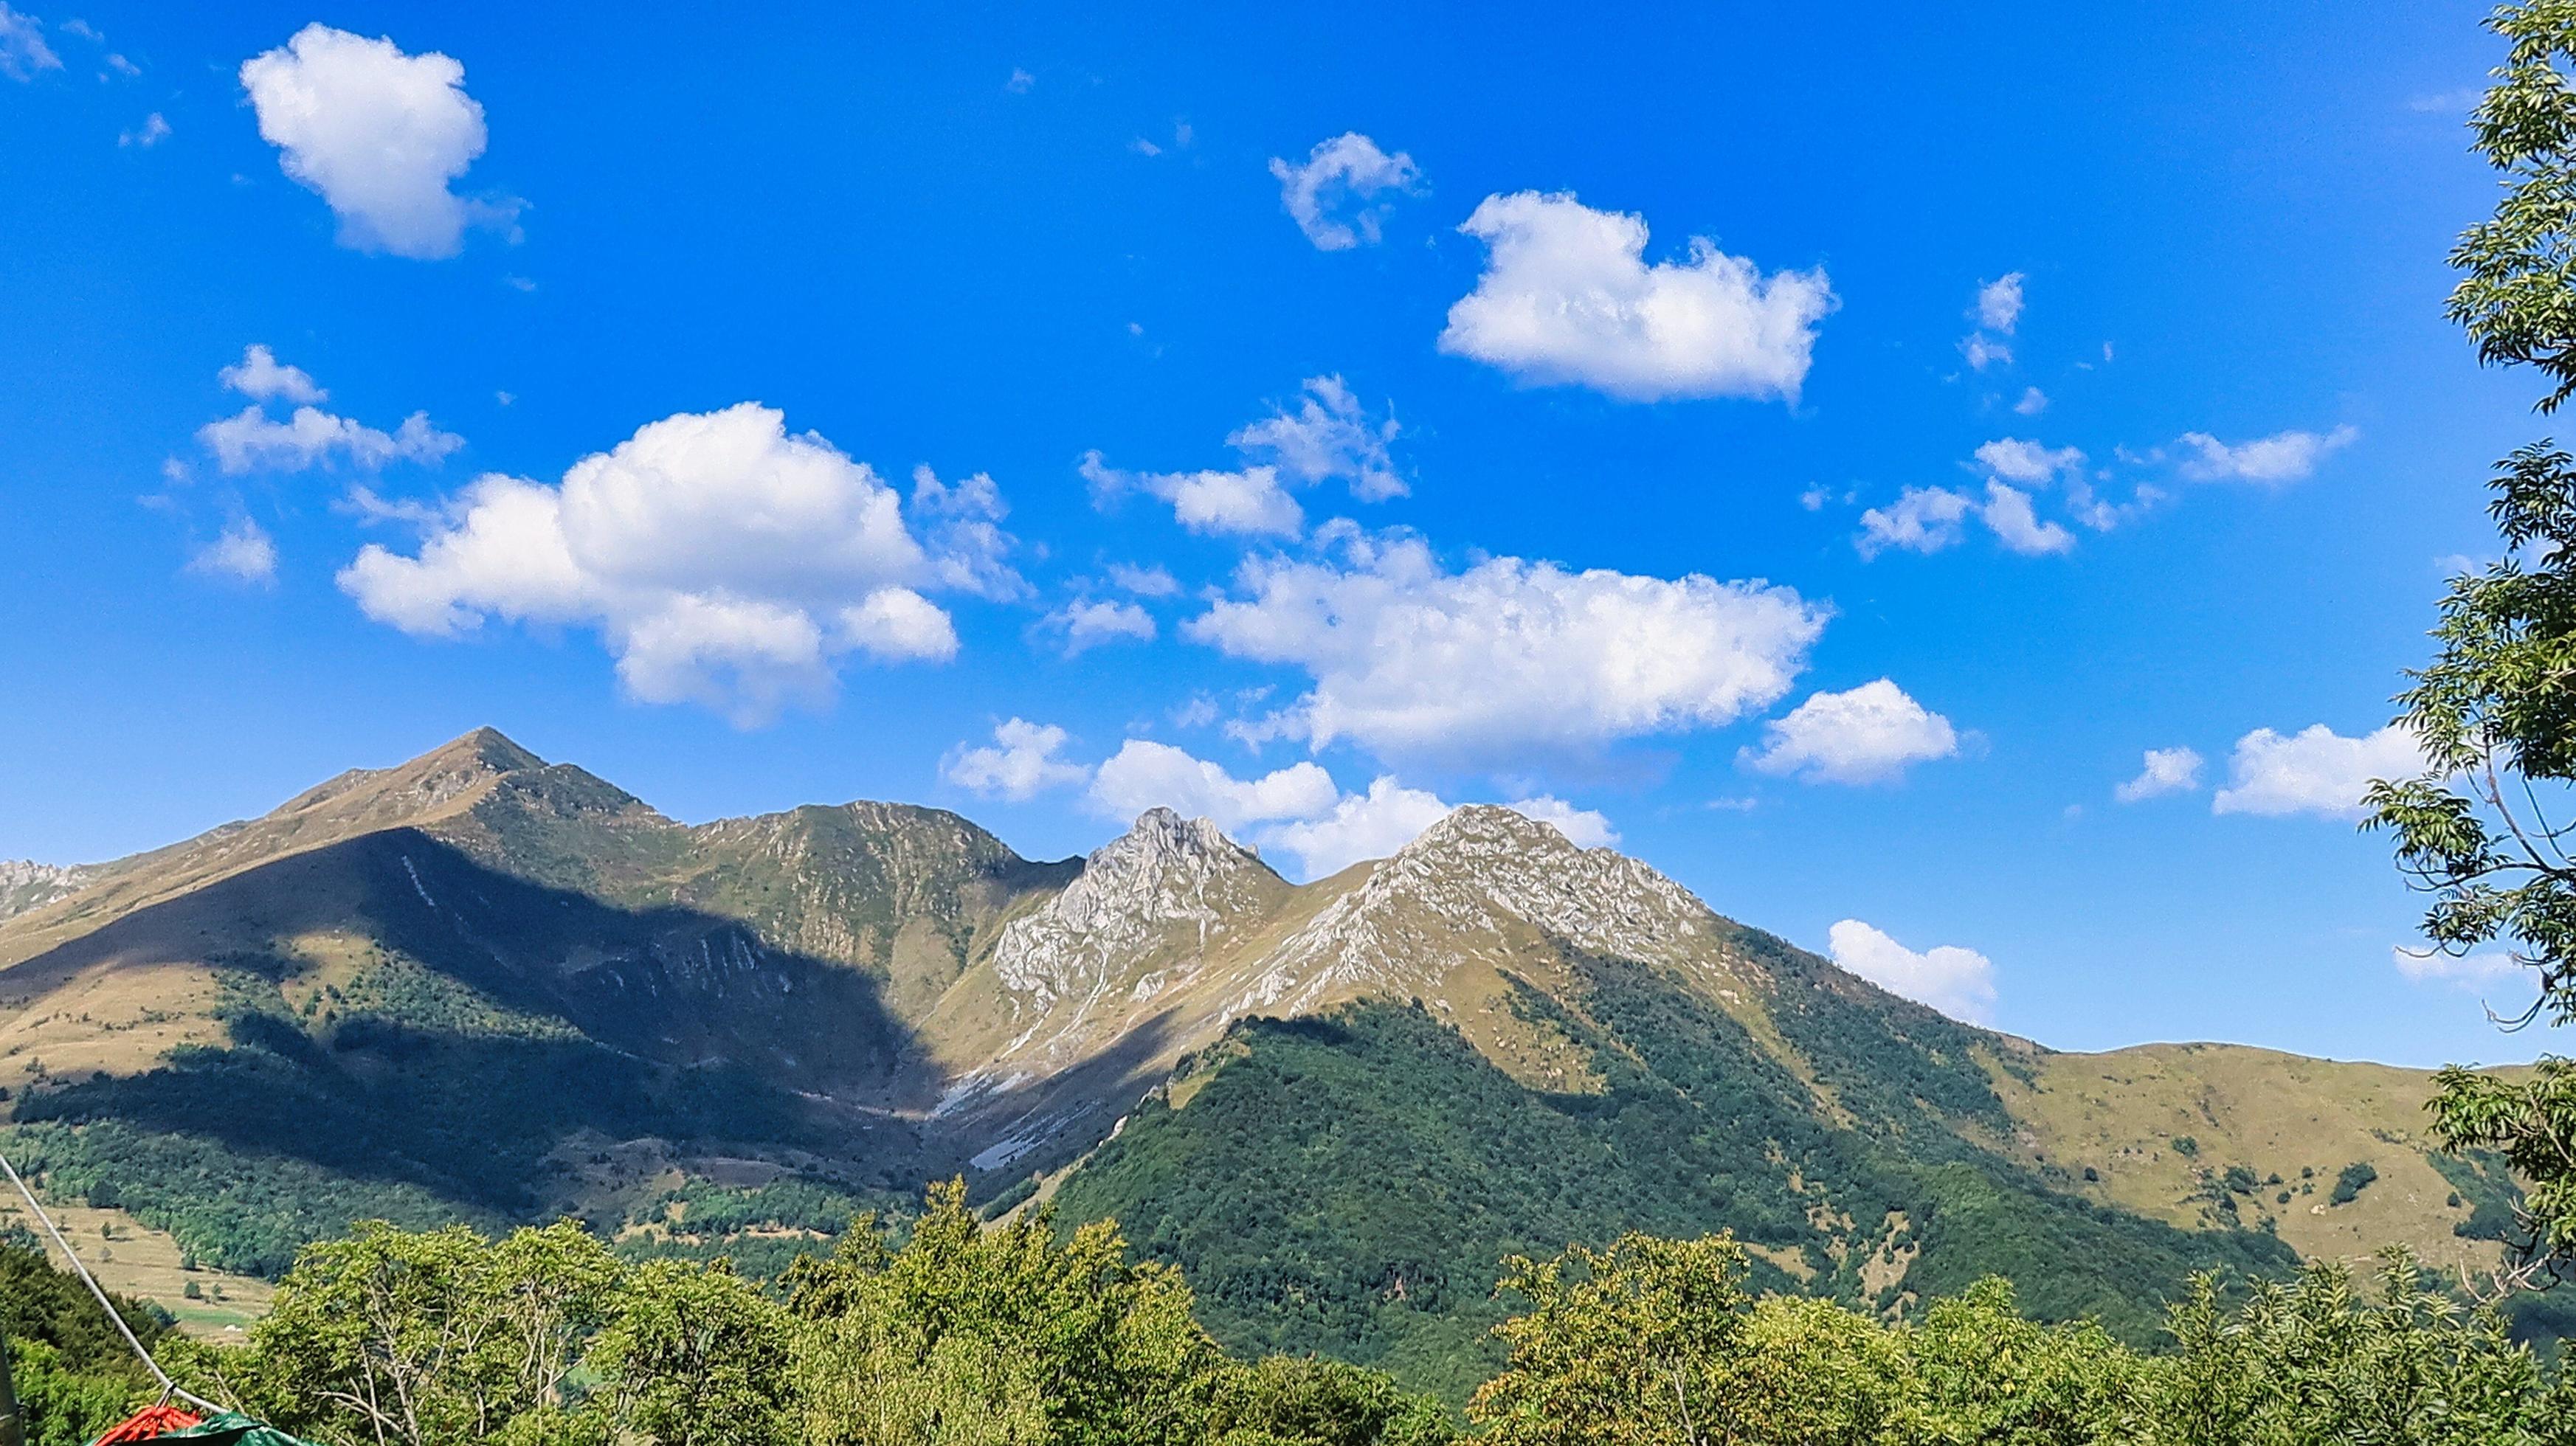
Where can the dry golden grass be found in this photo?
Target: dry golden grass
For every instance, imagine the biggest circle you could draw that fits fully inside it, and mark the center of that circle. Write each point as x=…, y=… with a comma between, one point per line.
x=2119, y=1114
x=133, y=1259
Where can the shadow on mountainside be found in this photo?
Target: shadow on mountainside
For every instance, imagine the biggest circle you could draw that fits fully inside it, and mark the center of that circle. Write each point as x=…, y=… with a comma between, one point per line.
x=399, y=1011
x=1040, y=1125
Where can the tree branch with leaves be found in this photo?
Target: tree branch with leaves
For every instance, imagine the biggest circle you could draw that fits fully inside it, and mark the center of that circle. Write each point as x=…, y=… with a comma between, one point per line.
x=2485, y=829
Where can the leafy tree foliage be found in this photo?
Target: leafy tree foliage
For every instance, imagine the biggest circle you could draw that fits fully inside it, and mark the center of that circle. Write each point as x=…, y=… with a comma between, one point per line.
x=2495, y=711
x=970, y=1334
x=540, y=1338
x=1280, y=1400
x=74, y=1374
x=1656, y=1343
x=1640, y=1342
x=2319, y=1361
x=695, y=1356
x=59, y=1405
x=961, y=1335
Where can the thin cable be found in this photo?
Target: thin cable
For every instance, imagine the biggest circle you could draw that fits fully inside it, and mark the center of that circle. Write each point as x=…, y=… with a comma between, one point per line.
x=169, y=1387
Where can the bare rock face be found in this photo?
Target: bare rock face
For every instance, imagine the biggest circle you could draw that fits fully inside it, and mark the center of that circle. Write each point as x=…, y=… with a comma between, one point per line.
x=1476, y=887
x=1148, y=911
x=26, y=884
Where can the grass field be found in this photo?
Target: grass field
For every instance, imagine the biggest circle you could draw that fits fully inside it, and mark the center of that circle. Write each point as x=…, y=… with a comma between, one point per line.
x=134, y=1259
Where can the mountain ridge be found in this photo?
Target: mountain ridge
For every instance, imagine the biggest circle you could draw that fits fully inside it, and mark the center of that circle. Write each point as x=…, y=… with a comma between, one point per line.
x=892, y=992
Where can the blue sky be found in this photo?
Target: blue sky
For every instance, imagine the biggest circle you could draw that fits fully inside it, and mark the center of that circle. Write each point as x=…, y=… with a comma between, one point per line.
x=1320, y=343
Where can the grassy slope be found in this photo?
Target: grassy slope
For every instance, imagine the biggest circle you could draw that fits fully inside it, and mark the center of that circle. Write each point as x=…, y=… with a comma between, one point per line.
x=446, y=990
x=132, y=1259
x=1348, y=1184
x=2120, y=1115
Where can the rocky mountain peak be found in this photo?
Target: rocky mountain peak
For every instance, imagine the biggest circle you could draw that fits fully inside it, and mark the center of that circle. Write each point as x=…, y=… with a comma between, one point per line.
x=491, y=748
x=1145, y=911
x=1478, y=885
x=1164, y=870
x=1488, y=830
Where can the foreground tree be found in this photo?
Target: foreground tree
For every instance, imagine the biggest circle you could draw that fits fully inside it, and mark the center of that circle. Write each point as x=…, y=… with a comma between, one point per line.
x=2486, y=828
x=1654, y=1343
x=2317, y=1362
x=390, y=1336
x=541, y=1338
x=1635, y=1344
x=969, y=1336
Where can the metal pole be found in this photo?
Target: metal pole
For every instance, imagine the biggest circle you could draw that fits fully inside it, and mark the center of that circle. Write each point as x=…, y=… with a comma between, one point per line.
x=13, y=1427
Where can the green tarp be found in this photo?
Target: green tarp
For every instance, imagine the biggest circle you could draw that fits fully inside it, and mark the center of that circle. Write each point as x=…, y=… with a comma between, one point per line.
x=231, y=1429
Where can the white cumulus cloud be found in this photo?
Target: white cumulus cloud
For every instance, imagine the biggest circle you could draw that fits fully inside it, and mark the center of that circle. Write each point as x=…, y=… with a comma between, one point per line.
x=2281, y=457
x=1145, y=774
x=1021, y=762
x=260, y=376
x=1983, y=351
x=962, y=528
x=23, y=50
x=2484, y=966
x=1337, y=172
x=1567, y=297
x=2009, y=515
x=1864, y=735
x=1296, y=812
x=1930, y=519
x=1999, y=303
x=1409, y=657
x=722, y=560
x=1583, y=827
x=1997, y=313
x=1922, y=519
x=1086, y=623
x=1143, y=581
x=1958, y=982
x=2166, y=770
x=1329, y=435
x=378, y=134
x=1368, y=825
x=1249, y=502
x=2314, y=771
x=2028, y=463
x=1388, y=816
x=243, y=552
x=252, y=441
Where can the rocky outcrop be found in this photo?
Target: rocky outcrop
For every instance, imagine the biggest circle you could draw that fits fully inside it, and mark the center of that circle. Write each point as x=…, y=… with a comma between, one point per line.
x=1146, y=914
x=1476, y=887
x=26, y=884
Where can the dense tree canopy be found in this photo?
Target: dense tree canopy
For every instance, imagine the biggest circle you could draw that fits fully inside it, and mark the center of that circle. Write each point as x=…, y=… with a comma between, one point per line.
x=963, y=1333
x=2485, y=828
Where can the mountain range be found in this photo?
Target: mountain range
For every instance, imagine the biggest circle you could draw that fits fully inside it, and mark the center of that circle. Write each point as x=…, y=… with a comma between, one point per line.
x=483, y=986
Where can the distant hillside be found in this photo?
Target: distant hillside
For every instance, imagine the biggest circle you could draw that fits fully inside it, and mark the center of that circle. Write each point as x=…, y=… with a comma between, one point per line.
x=482, y=986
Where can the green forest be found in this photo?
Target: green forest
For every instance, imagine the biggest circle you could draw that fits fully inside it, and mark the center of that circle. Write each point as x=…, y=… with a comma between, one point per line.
x=959, y=1332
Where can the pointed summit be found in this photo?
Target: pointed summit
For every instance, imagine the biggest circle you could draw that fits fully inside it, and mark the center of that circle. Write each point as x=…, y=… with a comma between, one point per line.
x=1487, y=829
x=423, y=786
x=1146, y=912
x=489, y=746
x=1483, y=887
x=1165, y=869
